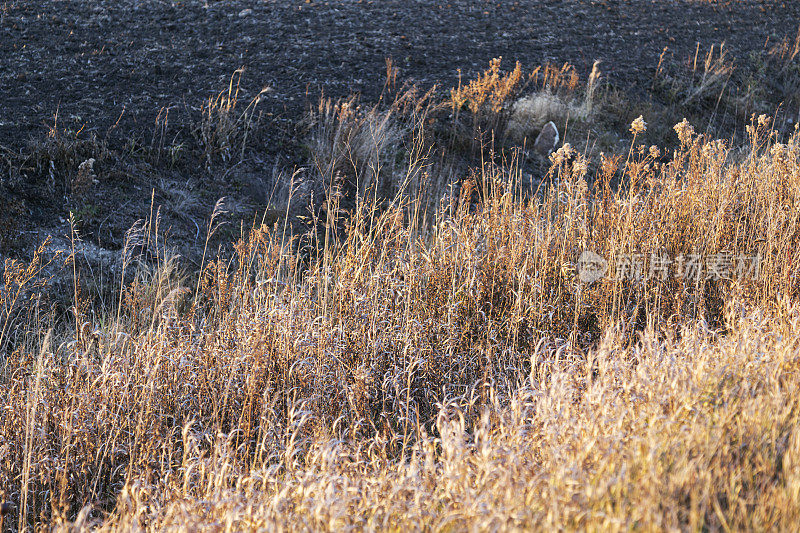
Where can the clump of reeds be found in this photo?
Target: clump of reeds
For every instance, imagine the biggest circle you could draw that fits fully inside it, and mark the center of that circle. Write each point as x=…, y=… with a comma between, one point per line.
x=464, y=375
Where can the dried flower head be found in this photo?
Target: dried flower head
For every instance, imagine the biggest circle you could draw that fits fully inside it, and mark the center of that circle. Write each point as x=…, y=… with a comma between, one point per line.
x=684, y=131
x=638, y=125
x=580, y=166
x=582, y=187
x=714, y=149
x=562, y=154
x=608, y=164
x=778, y=151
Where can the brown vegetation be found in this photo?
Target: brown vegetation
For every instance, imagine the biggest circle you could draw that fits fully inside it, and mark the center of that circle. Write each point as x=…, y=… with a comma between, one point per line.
x=429, y=323
x=454, y=376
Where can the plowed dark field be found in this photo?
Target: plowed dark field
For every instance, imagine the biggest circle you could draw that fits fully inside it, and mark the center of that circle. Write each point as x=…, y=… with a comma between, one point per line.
x=91, y=60
x=108, y=68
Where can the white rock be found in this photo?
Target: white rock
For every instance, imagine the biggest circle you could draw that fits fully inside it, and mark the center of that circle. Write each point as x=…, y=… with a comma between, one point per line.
x=547, y=140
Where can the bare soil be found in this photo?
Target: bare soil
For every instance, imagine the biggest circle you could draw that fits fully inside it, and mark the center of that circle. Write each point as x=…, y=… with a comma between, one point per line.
x=102, y=71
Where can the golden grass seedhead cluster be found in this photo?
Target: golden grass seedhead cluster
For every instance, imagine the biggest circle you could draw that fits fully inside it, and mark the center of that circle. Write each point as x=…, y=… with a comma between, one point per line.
x=491, y=88
x=486, y=101
x=558, y=79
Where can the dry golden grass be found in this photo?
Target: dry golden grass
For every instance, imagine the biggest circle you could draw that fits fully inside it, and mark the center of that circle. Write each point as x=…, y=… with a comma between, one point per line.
x=452, y=377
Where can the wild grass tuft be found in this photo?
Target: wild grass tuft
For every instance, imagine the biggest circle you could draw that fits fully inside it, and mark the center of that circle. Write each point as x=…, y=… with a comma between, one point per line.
x=223, y=129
